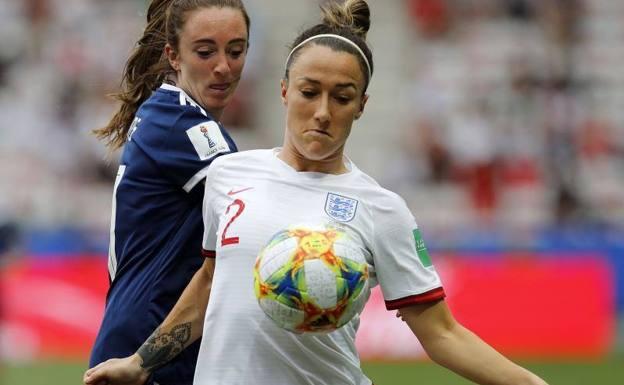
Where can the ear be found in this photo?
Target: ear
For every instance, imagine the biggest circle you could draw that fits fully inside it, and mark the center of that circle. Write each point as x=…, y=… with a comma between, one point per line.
x=362, y=105
x=284, y=86
x=172, y=56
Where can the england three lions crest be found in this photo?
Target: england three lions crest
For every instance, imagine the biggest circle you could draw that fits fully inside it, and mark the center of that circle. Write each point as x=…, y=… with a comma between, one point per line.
x=340, y=208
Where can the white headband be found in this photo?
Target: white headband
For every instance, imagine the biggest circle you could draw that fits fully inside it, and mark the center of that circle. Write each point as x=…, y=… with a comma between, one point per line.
x=335, y=37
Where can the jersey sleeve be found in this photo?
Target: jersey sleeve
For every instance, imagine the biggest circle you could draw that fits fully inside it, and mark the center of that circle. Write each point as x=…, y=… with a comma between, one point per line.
x=403, y=267
x=210, y=218
x=185, y=149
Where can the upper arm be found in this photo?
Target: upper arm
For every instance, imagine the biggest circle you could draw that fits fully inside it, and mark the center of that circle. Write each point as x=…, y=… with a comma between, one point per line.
x=183, y=149
x=200, y=143
x=401, y=262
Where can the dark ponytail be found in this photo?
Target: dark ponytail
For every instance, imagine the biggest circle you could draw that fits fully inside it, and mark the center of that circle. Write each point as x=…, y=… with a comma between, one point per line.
x=145, y=69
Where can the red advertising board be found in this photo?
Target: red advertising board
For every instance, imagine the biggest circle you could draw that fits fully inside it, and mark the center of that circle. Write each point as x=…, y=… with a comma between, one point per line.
x=51, y=308
x=523, y=306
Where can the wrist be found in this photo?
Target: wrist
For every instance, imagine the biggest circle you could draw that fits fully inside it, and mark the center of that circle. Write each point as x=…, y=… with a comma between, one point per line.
x=137, y=360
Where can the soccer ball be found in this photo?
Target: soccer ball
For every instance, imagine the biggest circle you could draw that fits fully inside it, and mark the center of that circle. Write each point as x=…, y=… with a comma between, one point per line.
x=311, y=279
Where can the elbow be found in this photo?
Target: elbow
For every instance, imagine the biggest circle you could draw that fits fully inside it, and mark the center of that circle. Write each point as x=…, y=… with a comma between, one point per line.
x=436, y=345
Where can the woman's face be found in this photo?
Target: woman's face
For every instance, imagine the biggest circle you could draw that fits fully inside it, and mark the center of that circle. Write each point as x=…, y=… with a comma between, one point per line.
x=210, y=56
x=323, y=96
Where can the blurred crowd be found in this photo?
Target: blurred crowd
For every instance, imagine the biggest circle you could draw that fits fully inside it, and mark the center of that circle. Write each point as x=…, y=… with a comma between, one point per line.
x=512, y=110
x=60, y=62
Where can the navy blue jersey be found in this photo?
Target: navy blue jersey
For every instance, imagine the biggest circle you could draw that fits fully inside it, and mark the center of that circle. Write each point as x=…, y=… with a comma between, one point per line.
x=156, y=224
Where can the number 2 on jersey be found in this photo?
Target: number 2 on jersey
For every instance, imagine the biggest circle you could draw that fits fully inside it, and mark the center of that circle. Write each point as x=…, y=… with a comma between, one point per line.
x=232, y=240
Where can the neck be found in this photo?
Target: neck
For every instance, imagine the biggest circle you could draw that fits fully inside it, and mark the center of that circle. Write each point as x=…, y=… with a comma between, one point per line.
x=173, y=78
x=333, y=164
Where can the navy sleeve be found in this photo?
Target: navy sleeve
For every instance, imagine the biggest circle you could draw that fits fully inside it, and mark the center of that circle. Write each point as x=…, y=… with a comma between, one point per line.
x=184, y=147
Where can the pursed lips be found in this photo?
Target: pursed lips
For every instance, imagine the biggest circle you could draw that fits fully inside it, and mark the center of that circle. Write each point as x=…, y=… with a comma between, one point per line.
x=220, y=86
x=316, y=131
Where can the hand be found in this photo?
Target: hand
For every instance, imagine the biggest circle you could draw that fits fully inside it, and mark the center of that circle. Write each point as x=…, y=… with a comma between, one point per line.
x=117, y=371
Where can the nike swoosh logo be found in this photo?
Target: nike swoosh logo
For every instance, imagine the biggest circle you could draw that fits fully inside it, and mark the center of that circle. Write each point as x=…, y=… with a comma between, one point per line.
x=234, y=192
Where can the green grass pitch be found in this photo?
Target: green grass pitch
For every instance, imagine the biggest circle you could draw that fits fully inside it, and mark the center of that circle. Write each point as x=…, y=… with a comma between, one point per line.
x=606, y=372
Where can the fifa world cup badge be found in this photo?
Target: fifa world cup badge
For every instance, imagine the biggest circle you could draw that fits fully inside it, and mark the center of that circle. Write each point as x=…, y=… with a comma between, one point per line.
x=340, y=208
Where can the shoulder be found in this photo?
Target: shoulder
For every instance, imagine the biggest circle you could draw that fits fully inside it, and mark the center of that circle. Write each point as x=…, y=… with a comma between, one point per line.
x=243, y=165
x=377, y=195
x=170, y=119
x=246, y=158
x=386, y=207
x=236, y=167
x=178, y=99
x=169, y=108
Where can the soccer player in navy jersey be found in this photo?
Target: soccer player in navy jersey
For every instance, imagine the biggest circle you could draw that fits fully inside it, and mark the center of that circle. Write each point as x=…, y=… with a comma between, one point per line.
x=180, y=77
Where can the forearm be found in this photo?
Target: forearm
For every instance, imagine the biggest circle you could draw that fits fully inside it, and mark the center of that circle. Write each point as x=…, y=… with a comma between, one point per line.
x=466, y=354
x=183, y=325
x=453, y=346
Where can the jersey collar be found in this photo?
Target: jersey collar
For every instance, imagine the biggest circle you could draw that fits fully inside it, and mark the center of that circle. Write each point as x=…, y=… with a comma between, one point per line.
x=311, y=174
x=184, y=97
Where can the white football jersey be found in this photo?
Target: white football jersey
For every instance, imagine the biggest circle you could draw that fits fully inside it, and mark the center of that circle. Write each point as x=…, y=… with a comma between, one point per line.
x=252, y=195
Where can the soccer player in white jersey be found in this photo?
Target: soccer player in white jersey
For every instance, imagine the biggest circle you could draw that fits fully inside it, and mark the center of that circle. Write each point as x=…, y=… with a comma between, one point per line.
x=258, y=193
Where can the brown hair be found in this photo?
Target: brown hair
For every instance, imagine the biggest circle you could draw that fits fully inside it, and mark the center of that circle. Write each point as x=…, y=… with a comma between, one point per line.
x=147, y=67
x=351, y=20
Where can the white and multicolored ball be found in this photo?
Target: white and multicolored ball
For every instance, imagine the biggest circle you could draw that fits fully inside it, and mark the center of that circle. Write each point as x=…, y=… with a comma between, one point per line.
x=311, y=279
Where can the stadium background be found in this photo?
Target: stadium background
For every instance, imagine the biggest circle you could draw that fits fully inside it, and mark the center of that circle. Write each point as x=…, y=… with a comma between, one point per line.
x=500, y=122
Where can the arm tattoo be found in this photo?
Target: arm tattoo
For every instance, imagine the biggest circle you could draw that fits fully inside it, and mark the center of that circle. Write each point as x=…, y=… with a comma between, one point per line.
x=160, y=348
